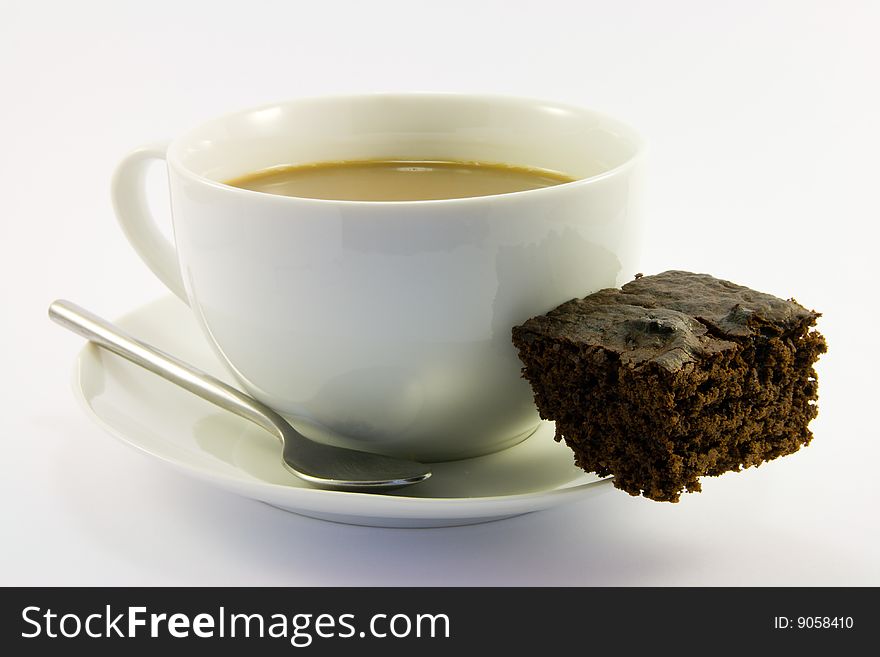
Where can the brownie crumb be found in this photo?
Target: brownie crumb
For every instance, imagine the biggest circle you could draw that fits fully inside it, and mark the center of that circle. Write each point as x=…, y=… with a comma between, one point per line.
x=674, y=377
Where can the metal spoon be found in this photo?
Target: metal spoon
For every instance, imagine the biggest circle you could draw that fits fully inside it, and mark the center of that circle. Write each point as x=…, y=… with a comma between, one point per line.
x=324, y=466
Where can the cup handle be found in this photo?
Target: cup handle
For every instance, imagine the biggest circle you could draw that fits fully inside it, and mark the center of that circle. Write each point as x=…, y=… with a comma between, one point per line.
x=130, y=204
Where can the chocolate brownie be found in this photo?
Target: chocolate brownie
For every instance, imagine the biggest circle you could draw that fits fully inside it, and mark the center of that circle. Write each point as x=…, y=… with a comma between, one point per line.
x=674, y=377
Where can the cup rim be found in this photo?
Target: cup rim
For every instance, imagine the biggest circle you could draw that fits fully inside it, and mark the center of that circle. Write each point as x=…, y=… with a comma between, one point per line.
x=174, y=161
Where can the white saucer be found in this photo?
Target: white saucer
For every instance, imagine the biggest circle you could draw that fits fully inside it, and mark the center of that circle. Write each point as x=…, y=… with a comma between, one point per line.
x=213, y=445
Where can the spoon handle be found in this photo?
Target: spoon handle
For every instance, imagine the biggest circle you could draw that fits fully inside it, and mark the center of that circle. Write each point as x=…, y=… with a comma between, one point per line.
x=111, y=337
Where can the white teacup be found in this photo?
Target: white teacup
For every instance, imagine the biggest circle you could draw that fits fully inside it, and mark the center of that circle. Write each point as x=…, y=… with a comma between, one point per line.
x=386, y=326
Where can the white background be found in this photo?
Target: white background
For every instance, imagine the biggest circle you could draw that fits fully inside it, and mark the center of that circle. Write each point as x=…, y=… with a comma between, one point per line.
x=762, y=119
